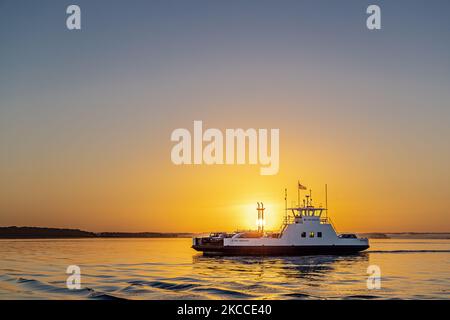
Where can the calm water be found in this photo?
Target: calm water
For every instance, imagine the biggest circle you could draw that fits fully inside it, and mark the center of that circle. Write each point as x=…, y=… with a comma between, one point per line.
x=169, y=269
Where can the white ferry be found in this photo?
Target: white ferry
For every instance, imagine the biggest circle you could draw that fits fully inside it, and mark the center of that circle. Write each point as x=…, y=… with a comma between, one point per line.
x=307, y=231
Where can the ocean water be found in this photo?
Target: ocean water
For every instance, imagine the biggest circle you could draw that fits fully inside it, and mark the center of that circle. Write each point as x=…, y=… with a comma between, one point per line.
x=170, y=269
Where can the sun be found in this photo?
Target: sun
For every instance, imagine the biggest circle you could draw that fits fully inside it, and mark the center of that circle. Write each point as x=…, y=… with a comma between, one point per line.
x=248, y=216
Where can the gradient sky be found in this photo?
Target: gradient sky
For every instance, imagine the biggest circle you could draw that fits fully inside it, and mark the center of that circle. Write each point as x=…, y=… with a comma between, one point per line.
x=86, y=116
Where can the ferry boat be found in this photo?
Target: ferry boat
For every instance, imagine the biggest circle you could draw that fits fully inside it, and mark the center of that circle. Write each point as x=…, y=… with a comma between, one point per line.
x=306, y=231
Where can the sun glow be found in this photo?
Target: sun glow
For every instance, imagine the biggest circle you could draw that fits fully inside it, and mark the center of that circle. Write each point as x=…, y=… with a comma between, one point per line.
x=260, y=222
x=249, y=217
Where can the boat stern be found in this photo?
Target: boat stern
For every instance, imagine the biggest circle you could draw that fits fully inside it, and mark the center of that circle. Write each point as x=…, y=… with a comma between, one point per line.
x=211, y=243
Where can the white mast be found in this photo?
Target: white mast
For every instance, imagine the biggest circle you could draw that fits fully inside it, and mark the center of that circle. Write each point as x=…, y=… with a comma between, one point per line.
x=285, y=206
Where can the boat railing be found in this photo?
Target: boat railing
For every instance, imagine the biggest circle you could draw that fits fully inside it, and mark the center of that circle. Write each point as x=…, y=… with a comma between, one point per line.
x=288, y=220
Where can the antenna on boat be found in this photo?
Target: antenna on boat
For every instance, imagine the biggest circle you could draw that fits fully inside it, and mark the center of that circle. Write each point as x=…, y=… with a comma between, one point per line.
x=285, y=206
x=262, y=217
x=326, y=200
x=258, y=221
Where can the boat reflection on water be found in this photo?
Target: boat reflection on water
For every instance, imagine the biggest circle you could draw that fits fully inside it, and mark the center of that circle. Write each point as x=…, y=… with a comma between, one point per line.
x=286, y=277
x=275, y=269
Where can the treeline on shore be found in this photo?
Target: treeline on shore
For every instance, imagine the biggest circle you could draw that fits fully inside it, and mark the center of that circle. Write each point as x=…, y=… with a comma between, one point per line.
x=51, y=233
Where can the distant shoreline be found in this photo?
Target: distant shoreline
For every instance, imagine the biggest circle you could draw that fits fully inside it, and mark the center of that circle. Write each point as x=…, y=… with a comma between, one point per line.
x=406, y=235
x=14, y=232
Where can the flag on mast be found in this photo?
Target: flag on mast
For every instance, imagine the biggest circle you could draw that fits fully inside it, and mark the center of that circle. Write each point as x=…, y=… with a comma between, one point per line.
x=300, y=186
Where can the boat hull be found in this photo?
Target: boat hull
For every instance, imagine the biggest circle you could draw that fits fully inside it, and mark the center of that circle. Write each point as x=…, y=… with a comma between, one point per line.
x=281, y=250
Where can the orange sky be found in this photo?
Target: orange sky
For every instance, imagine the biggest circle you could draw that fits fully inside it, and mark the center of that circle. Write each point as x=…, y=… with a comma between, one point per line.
x=125, y=194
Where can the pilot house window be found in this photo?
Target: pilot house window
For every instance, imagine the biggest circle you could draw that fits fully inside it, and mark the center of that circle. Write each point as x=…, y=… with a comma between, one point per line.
x=319, y=234
x=311, y=234
x=303, y=234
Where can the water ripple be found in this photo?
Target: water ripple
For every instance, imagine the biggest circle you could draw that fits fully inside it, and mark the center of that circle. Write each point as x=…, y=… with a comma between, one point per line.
x=171, y=270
